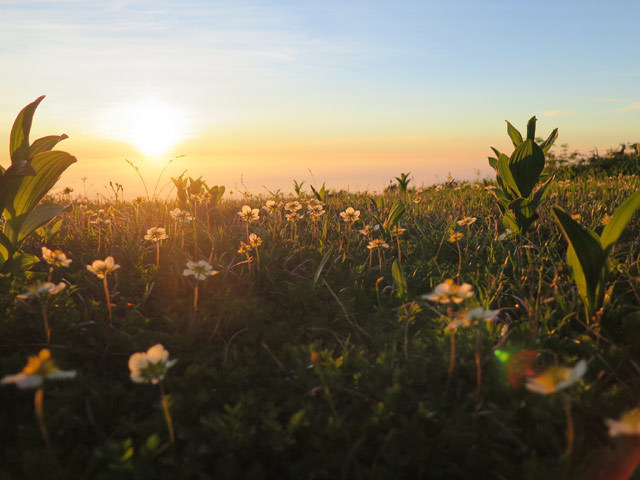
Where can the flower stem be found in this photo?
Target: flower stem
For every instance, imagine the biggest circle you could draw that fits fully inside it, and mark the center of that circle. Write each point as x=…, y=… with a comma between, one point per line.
x=106, y=293
x=195, y=303
x=570, y=430
x=38, y=403
x=45, y=317
x=452, y=359
x=157, y=254
x=478, y=359
x=166, y=404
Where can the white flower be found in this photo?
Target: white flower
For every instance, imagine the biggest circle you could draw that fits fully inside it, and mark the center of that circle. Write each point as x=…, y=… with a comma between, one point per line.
x=155, y=234
x=180, y=215
x=254, y=240
x=101, y=268
x=293, y=206
x=350, y=215
x=38, y=369
x=448, y=291
x=43, y=288
x=466, y=221
x=200, y=270
x=505, y=235
x=249, y=214
x=377, y=243
x=271, y=206
x=55, y=257
x=629, y=424
x=468, y=318
x=554, y=379
x=150, y=366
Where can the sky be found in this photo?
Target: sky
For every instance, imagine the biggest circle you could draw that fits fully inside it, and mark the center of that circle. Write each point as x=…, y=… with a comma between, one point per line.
x=256, y=94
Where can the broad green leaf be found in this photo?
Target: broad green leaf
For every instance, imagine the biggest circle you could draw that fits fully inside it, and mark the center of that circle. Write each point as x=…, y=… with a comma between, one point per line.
x=397, y=211
x=24, y=193
x=40, y=215
x=509, y=221
x=45, y=144
x=6, y=248
x=399, y=280
x=586, y=245
x=493, y=162
x=507, y=176
x=19, y=139
x=578, y=274
x=619, y=220
x=531, y=129
x=20, y=263
x=514, y=134
x=526, y=165
x=548, y=143
x=496, y=151
x=537, y=197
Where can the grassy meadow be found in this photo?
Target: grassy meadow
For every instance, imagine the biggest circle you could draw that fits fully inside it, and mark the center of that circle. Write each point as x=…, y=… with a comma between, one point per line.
x=309, y=354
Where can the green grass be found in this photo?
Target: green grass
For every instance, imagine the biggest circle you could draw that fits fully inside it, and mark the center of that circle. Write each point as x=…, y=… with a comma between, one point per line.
x=376, y=401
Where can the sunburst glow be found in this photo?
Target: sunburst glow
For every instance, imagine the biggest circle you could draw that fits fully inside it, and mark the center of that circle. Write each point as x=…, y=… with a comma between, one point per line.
x=154, y=127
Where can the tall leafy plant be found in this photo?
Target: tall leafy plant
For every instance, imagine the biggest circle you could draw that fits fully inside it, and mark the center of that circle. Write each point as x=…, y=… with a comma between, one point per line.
x=520, y=178
x=588, y=253
x=34, y=170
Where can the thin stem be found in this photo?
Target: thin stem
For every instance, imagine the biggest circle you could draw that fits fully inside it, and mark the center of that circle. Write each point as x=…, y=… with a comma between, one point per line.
x=108, y=297
x=459, y=260
x=570, y=430
x=157, y=254
x=45, y=317
x=38, y=403
x=166, y=404
x=478, y=363
x=452, y=357
x=195, y=303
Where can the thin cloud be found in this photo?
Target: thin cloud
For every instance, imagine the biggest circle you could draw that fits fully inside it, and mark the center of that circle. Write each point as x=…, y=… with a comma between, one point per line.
x=635, y=106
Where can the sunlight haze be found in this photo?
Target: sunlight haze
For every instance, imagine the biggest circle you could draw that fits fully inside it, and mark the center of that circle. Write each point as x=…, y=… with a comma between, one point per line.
x=351, y=93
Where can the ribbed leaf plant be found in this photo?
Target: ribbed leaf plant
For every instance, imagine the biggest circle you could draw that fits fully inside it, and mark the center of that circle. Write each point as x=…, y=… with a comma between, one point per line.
x=520, y=178
x=34, y=170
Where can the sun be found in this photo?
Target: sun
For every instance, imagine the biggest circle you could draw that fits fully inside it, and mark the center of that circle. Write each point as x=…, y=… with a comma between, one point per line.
x=154, y=127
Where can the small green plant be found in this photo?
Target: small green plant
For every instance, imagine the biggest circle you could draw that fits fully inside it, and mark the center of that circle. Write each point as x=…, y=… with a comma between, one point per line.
x=34, y=170
x=588, y=253
x=518, y=175
x=403, y=181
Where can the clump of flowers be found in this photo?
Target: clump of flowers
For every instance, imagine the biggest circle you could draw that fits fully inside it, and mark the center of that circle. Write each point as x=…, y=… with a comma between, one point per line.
x=102, y=268
x=156, y=235
x=151, y=367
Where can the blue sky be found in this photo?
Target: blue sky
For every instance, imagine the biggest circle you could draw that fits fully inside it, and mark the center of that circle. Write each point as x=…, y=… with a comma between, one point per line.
x=425, y=83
